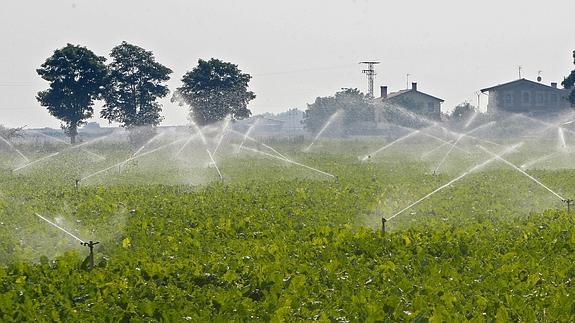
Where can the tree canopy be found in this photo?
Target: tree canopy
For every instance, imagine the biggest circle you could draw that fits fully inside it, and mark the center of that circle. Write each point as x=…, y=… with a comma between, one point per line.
x=355, y=106
x=215, y=89
x=133, y=87
x=462, y=111
x=77, y=78
x=9, y=133
x=569, y=83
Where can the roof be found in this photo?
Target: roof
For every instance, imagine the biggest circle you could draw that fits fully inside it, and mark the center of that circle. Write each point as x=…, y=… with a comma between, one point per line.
x=520, y=81
x=399, y=93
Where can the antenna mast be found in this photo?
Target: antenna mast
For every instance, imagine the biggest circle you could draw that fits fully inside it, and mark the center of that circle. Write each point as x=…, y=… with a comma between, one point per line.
x=370, y=71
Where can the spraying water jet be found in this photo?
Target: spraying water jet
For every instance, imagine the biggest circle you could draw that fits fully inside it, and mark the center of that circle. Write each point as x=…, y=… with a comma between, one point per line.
x=90, y=244
x=471, y=170
x=330, y=120
x=288, y=161
x=15, y=149
x=524, y=173
x=368, y=156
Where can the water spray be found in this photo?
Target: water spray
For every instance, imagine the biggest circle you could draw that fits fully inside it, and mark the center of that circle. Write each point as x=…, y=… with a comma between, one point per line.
x=58, y=153
x=528, y=176
x=34, y=162
x=561, y=138
x=366, y=157
x=69, y=144
x=90, y=244
x=457, y=141
x=222, y=134
x=425, y=133
x=148, y=142
x=129, y=159
x=260, y=143
x=437, y=148
x=288, y=161
x=215, y=165
x=15, y=149
x=330, y=120
x=248, y=132
x=471, y=170
x=199, y=131
x=471, y=118
x=540, y=159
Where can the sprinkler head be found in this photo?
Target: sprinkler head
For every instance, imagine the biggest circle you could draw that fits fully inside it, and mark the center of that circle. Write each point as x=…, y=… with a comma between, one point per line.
x=77, y=183
x=568, y=202
x=90, y=245
x=383, y=220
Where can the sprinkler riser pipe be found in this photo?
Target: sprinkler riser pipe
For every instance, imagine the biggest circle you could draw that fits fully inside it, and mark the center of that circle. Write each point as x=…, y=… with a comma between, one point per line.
x=383, y=220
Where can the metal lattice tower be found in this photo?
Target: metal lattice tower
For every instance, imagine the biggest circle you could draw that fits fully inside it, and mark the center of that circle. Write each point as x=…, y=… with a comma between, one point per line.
x=370, y=71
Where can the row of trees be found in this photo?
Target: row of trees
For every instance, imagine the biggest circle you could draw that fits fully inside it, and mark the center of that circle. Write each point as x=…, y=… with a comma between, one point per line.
x=131, y=84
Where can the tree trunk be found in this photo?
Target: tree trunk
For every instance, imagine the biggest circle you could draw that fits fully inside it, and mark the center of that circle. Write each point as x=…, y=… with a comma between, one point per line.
x=73, y=132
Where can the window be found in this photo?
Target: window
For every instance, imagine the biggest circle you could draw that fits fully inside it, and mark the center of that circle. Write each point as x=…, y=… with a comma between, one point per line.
x=507, y=99
x=430, y=106
x=526, y=97
x=539, y=98
x=554, y=98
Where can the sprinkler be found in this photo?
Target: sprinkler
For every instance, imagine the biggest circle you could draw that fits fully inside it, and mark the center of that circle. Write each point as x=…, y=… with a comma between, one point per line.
x=90, y=245
x=77, y=183
x=383, y=220
x=568, y=202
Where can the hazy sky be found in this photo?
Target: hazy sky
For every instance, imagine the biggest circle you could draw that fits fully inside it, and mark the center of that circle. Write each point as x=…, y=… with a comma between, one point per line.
x=296, y=50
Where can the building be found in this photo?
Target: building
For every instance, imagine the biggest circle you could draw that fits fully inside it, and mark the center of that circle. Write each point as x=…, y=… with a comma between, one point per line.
x=412, y=100
x=259, y=126
x=527, y=97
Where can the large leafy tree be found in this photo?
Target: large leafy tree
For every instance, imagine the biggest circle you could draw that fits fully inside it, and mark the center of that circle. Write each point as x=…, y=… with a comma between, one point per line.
x=462, y=111
x=133, y=87
x=569, y=83
x=215, y=89
x=77, y=78
x=354, y=106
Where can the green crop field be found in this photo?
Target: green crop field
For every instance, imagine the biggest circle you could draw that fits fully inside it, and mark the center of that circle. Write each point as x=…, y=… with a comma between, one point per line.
x=275, y=240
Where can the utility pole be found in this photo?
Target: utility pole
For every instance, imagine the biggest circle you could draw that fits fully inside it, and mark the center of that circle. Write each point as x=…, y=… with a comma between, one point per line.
x=370, y=72
x=478, y=99
x=407, y=80
x=519, y=68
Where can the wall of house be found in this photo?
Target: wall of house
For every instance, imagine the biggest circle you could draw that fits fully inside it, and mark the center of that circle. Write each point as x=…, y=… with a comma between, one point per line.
x=425, y=105
x=527, y=98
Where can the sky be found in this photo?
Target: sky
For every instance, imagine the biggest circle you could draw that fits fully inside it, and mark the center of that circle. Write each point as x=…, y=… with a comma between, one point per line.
x=295, y=50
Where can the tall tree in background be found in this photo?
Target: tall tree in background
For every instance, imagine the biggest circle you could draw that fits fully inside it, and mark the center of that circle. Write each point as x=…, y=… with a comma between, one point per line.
x=215, y=89
x=77, y=78
x=462, y=111
x=569, y=83
x=134, y=84
x=356, y=107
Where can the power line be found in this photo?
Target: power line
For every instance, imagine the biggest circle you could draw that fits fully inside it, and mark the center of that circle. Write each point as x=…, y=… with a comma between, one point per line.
x=305, y=70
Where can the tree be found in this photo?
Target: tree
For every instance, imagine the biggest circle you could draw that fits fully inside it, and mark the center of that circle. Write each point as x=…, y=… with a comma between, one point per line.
x=215, y=89
x=9, y=133
x=356, y=107
x=133, y=87
x=569, y=83
x=462, y=111
x=77, y=78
